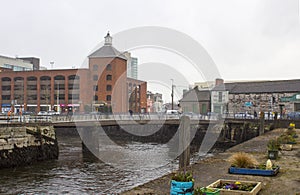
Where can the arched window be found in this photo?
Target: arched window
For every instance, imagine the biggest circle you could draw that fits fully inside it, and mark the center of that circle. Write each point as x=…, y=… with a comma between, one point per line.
x=108, y=67
x=108, y=77
x=73, y=77
x=19, y=83
x=95, y=98
x=31, y=83
x=6, y=79
x=32, y=78
x=59, y=78
x=18, y=79
x=108, y=98
x=45, y=78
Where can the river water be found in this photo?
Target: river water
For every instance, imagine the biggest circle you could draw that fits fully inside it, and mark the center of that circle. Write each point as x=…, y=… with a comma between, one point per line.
x=74, y=173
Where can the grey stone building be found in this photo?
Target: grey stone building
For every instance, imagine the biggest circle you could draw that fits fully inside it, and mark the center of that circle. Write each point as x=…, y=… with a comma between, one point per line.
x=282, y=96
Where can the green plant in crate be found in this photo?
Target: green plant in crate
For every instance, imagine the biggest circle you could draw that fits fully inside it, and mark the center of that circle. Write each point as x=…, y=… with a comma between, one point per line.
x=273, y=148
x=291, y=131
x=184, y=177
x=182, y=183
x=206, y=191
x=286, y=138
x=273, y=144
x=236, y=186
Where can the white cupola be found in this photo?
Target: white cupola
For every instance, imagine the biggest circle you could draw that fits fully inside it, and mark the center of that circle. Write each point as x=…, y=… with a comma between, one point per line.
x=108, y=39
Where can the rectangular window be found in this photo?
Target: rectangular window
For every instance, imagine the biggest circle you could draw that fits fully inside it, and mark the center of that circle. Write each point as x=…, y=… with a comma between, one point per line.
x=108, y=87
x=108, y=67
x=4, y=88
x=32, y=97
x=95, y=67
x=61, y=96
x=95, y=87
x=204, y=109
x=108, y=77
x=95, y=77
x=73, y=96
x=108, y=98
x=73, y=86
x=31, y=87
x=7, y=66
x=18, y=68
x=60, y=87
x=220, y=97
x=5, y=97
x=195, y=108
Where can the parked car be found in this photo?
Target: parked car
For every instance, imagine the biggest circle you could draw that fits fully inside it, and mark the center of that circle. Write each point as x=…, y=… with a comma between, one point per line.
x=293, y=115
x=172, y=113
x=42, y=113
x=28, y=113
x=243, y=115
x=52, y=112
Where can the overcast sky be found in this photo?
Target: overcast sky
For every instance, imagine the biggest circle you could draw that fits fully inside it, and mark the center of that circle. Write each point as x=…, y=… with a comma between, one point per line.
x=248, y=40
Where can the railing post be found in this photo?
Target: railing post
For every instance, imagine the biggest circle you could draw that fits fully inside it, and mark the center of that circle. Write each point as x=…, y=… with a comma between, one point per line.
x=262, y=123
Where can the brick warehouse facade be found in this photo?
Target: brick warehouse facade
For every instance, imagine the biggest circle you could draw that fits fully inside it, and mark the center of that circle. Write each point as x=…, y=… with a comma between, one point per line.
x=104, y=86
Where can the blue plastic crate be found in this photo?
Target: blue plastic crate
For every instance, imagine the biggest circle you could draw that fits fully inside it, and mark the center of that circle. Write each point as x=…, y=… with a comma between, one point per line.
x=183, y=188
x=262, y=172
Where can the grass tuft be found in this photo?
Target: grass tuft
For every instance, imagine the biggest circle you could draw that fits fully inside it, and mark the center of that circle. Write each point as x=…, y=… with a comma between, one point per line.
x=242, y=160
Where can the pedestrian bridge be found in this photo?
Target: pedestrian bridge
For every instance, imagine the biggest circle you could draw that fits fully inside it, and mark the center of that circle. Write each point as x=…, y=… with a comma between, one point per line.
x=117, y=119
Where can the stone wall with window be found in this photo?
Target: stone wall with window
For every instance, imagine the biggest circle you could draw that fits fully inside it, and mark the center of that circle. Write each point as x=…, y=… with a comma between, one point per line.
x=267, y=102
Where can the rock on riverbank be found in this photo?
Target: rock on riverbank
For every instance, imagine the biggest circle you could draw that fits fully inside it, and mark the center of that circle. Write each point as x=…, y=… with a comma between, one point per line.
x=20, y=145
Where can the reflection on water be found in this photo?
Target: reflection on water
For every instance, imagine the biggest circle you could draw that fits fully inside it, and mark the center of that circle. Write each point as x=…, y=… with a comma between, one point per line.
x=78, y=174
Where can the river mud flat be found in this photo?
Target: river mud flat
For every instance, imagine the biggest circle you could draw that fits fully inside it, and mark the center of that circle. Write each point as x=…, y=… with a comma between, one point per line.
x=206, y=171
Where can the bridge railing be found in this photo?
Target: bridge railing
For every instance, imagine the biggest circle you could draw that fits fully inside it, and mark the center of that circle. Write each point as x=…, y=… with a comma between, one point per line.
x=85, y=117
x=100, y=117
x=25, y=119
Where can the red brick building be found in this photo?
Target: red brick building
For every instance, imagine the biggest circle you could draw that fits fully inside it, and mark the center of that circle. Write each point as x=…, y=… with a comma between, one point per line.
x=104, y=86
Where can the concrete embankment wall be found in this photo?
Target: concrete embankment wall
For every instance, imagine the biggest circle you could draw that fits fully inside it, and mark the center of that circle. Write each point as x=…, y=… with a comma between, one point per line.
x=21, y=145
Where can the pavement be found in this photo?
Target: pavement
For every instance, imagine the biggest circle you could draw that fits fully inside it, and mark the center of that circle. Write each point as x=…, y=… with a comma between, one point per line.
x=206, y=171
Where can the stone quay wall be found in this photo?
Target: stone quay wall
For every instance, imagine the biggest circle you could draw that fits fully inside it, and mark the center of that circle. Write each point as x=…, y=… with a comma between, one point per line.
x=23, y=145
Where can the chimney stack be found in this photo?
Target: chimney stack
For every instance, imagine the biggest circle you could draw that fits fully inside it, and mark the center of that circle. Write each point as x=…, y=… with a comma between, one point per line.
x=219, y=81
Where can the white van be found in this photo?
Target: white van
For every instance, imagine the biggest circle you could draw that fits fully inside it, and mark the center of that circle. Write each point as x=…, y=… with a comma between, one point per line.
x=172, y=112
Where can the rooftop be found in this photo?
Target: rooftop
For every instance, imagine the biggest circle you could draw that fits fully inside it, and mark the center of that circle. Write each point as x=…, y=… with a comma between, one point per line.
x=107, y=50
x=261, y=86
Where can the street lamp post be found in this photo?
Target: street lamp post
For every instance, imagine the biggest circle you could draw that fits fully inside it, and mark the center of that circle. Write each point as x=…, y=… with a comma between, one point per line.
x=172, y=95
x=21, y=97
x=51, y=64
x=57, y=98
